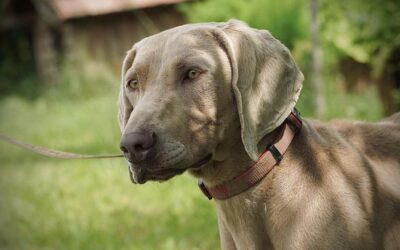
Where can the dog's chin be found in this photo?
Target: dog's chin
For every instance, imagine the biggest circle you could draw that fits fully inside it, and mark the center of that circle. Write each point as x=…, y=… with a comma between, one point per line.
x=164, y=174
x=142, y=175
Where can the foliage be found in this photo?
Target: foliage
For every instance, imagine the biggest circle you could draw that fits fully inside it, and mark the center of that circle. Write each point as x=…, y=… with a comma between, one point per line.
x=368, y=31
x=284, y=19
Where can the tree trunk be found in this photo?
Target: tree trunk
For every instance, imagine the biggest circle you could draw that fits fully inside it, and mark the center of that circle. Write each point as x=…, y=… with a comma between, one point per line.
x=318, y=88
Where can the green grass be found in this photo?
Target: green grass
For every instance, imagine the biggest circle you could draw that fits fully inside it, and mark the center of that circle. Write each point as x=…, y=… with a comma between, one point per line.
x=91, y=204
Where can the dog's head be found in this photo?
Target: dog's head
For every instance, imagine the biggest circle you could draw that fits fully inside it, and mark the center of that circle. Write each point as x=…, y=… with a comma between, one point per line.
x=183, y=90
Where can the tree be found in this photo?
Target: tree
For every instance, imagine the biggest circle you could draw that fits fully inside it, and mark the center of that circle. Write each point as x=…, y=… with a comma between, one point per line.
x=316, y=60
x=368, y=32
x=285, y=19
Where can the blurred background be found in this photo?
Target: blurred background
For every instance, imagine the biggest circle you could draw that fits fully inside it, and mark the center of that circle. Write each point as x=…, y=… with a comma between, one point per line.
x=59, y=77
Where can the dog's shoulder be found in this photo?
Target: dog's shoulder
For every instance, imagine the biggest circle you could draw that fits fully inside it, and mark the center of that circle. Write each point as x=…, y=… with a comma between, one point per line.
x=376, y=139
x=395, y=119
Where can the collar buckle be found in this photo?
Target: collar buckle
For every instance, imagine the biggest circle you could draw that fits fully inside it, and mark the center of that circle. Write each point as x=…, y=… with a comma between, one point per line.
x=275, y=153
x=204, y=189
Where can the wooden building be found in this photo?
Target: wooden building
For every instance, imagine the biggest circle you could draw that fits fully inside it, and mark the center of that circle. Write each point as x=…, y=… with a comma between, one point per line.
x=101, y=30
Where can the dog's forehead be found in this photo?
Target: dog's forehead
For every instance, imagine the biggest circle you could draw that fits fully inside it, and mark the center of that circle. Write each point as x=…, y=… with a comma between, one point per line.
x=173, y=42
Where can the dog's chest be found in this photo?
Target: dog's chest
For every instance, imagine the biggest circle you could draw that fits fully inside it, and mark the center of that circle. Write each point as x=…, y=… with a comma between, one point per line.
x=245, y=221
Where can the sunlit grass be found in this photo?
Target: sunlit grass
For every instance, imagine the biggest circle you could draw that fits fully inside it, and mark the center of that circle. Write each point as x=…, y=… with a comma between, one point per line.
x=93, y=205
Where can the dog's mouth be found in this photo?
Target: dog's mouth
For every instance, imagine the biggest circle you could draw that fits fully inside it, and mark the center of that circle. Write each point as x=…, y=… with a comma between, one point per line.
x=143, y=175
x=201, y=162
x=164, y=174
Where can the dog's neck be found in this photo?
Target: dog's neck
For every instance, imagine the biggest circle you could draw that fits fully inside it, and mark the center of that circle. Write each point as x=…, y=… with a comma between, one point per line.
x=230, y=158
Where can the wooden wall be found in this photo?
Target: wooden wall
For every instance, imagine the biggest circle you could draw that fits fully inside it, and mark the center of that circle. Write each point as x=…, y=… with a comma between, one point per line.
x=107, y=38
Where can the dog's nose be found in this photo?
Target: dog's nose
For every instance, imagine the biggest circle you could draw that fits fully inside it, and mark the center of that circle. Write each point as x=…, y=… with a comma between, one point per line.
x=138, y=145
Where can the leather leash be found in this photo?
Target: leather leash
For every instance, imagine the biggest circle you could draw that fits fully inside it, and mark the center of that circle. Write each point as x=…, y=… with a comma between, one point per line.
x=255, y=173
x=52, y=152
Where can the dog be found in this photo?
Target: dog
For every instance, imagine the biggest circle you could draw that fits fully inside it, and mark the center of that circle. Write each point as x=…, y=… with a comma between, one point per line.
x=215, y=99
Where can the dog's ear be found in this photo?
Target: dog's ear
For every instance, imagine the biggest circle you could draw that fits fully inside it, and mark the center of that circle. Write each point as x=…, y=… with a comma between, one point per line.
x=124, y=105
x=266, y=81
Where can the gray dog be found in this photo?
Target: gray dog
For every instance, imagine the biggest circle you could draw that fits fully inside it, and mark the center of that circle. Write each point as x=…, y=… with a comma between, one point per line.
x=217, y=99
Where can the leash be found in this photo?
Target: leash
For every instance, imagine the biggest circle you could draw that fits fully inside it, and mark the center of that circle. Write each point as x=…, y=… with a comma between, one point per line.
x=52, y=152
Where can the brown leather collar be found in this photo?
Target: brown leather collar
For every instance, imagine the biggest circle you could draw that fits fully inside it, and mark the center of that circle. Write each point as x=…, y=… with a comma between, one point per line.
x=271, y=157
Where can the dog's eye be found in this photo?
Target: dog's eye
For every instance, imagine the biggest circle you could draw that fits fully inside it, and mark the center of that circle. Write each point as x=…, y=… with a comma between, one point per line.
x=132, y=84
x=192, y=74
